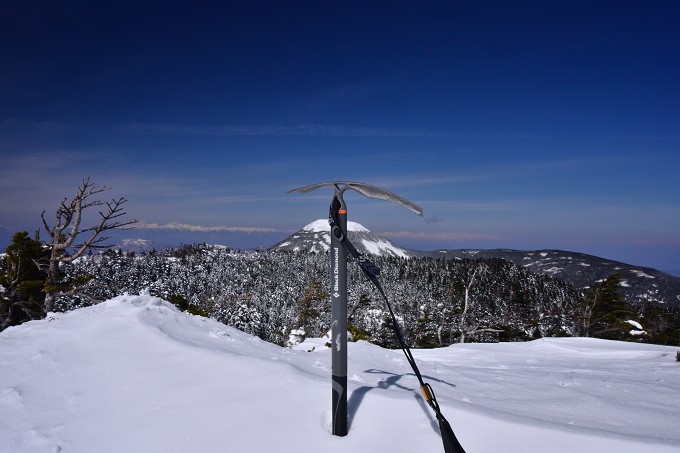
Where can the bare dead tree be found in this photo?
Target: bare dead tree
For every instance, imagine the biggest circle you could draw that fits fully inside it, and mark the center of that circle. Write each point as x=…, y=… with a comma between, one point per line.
x=588, y=308
x=466, y=306
x=64, y=243
x=469, y=305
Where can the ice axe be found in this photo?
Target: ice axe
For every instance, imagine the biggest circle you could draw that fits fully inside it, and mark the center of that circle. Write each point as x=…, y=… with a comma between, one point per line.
x=338, y=219
x=340, y=246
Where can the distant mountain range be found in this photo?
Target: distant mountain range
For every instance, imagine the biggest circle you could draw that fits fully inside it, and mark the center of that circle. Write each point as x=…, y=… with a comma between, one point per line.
x=639, y=284
x=140, y=245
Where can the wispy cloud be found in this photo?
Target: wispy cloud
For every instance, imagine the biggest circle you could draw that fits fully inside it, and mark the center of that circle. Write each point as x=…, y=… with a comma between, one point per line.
x=184, y=227
x=460, y=206
x=273, y=130
x=58, y=127
x=438, y=236
x=136, y=128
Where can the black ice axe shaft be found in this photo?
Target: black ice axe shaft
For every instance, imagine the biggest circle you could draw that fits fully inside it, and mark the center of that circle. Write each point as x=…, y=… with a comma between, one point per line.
x=340, y=247
x=339, y=318
x=338, y=219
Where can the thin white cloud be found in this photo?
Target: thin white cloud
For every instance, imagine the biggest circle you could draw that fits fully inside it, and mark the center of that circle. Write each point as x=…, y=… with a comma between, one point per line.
x=448, y=236
x=458, y=206
x=177, y=226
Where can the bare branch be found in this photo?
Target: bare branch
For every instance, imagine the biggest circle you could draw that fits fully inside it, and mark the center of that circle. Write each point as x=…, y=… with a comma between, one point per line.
x=45, y=225
x=79, y=291
x=69, y=217
x=17, y=272
x=107, y=222
x=489, y=329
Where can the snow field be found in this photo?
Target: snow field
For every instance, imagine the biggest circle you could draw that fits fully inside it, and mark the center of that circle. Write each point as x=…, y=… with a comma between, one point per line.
x=133, y=374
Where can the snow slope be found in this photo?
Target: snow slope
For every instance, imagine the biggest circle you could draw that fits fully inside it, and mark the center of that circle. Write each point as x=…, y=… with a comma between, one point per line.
x=135, y=375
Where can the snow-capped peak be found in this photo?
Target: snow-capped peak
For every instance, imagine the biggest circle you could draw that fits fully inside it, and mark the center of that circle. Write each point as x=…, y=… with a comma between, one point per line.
x=135, y=243
x=315, y=237
x=322, y=226
x=140, y=245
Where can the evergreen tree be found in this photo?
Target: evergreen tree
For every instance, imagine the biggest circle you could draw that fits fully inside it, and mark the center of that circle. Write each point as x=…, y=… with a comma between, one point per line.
x=662, y=324
x=23, y=281
x=605, y=311
x=310, y=307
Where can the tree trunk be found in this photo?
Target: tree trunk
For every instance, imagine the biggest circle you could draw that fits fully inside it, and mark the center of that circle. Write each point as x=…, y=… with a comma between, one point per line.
x=49, y=302
x=52, y=280
x=466, y=305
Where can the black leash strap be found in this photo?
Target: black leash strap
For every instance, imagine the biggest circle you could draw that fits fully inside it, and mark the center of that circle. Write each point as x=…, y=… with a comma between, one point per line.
x=451, y=444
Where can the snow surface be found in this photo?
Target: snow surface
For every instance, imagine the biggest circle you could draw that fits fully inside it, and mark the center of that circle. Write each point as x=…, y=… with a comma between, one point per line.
x=641, y=274
x=134, y=374
x=634, y=324
x=383, y=248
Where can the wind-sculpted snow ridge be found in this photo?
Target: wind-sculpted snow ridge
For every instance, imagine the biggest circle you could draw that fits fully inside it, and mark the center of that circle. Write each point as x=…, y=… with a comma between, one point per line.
x=133, y=374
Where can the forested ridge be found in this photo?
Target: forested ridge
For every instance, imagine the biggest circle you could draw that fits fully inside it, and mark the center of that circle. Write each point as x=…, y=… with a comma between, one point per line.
x=271, y=293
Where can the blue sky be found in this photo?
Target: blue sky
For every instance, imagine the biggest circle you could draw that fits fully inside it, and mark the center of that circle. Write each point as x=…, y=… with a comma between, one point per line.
x=524, y=125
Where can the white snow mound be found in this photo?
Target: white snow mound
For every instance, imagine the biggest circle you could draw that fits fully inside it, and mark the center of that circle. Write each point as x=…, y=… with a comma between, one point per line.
x=134, y=374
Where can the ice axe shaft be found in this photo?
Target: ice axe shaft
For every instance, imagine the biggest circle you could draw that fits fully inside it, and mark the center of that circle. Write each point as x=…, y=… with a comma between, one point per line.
x=338, y=212
x=339, y=318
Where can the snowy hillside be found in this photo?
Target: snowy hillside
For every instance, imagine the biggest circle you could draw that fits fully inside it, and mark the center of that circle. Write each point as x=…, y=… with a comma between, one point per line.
x=133, y=374
x=315, y=237
x=639, y=284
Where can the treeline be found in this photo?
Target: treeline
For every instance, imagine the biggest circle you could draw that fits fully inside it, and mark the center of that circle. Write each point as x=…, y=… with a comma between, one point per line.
x=274, y=294
x=438, y=301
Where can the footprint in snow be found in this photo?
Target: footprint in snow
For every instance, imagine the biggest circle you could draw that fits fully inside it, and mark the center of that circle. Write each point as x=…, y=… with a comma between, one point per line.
x=10, y=396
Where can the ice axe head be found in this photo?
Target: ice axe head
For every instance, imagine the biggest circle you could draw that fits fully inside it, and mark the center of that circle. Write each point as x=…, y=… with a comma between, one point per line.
x=366, y=190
